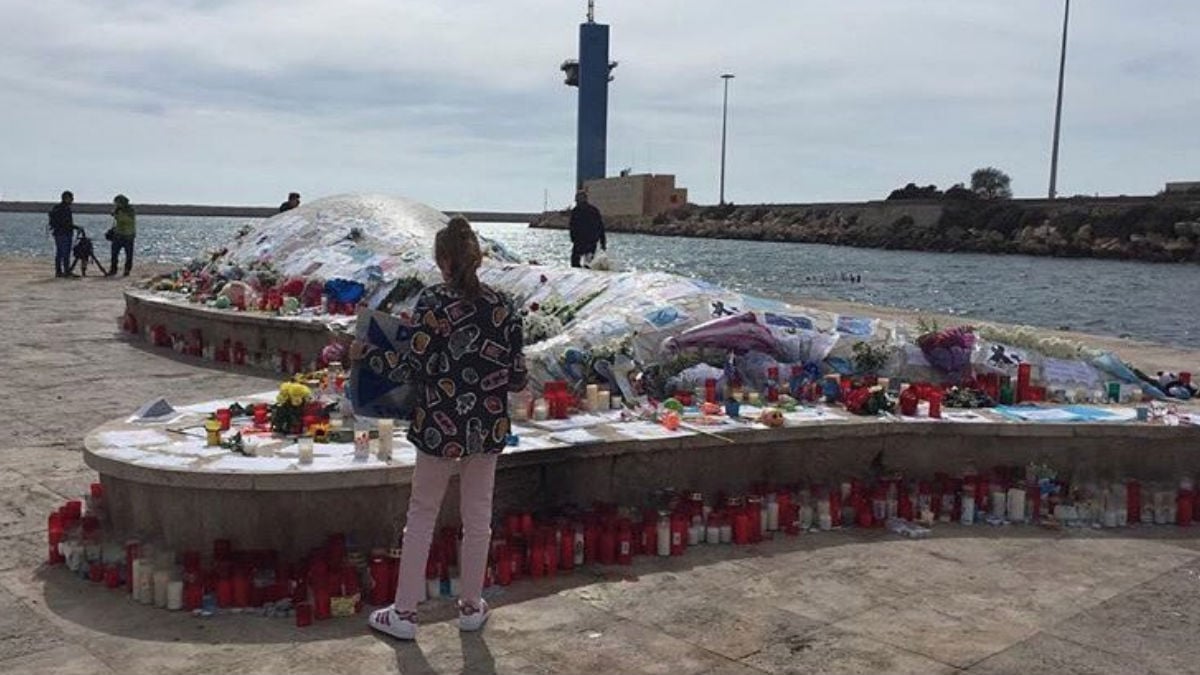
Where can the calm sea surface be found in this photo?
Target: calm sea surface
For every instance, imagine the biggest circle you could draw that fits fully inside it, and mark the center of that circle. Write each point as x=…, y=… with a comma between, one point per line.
x=1141, y=300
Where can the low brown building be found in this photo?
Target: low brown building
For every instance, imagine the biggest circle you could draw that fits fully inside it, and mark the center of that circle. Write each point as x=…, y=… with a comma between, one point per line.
x=638, y=195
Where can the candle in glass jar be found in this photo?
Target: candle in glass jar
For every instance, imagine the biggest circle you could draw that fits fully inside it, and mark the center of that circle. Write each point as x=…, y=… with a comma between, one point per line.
x=161, y=578
x=145, y=587
x=603, y=399
x=362, y=445
x=1016, y=505
x=386, y=427
x=663, y=535
x=305, y=445
x=616, y=402
x=999, y=503
x=752, y=398
x=541, y=410
x=593, y=392
x=174, y=595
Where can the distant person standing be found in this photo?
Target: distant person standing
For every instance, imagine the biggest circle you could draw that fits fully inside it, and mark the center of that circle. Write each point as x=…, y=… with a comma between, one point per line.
x=292, y=202
x=123, y=231
x=587, y=229
x=62, y=228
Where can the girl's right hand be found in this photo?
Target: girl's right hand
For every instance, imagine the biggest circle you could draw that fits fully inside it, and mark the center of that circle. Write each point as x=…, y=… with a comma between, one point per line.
x=358, y=349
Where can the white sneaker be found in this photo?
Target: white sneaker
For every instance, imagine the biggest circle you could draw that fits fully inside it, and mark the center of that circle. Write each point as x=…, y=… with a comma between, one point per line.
x=471, y=619
x=399, y=626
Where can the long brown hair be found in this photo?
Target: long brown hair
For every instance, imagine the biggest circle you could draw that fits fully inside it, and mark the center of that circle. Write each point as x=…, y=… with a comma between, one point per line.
x=457, y=247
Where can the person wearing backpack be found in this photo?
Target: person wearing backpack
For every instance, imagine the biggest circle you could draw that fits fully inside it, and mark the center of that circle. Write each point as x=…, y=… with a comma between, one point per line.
x=122, y=233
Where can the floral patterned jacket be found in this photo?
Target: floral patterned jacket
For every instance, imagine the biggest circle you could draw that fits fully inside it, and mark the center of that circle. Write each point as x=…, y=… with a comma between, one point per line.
x=467, y=356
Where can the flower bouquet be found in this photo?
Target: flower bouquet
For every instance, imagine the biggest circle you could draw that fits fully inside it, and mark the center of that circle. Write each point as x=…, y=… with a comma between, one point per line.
x=949, y=349
x=287, y=416
x=869, y=401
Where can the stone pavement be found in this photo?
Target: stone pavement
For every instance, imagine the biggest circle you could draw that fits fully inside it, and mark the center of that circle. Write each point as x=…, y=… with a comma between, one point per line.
x=975, y=599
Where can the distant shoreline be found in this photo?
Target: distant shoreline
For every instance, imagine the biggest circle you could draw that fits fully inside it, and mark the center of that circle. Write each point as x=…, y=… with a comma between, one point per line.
x=200, y=210
x=1162, y=228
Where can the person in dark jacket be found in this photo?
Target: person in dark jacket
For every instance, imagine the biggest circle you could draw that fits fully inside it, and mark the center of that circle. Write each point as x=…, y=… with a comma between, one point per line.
x=587, y=229
x=292, y=202
x=62, y=228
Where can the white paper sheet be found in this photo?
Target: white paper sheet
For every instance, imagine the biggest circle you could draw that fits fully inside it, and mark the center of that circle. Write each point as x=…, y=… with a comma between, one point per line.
x=139, y=437
x=810, y=415
x=530, y=442
x=576, y=436
x=649, y=431
x=208, y=407
x=250, y=464
x=957, y=416
x=123, y=454
x=574, y=422
x=192, y=448
x=167, y=461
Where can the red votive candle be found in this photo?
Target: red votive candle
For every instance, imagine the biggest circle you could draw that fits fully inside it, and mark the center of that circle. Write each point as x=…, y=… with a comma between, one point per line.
x=224, y=416
x=1024, y=371
x=225, y=592
x=304, y=614
x=133, y=549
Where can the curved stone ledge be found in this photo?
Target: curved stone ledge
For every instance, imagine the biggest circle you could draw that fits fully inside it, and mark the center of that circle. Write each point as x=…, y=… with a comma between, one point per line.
x=263, y=335
x=293, y=510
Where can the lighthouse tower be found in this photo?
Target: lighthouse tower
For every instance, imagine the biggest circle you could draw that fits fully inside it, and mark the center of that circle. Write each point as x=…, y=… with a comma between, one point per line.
x=591, y=73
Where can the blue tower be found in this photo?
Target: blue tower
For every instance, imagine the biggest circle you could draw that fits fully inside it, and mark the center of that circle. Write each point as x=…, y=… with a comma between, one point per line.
x=591, y=74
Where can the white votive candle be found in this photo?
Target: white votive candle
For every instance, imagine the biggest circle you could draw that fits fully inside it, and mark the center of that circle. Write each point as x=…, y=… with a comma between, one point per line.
x=305, y=448
x=161, y=579
x=616, y=403
x=386, y=428
x=541, y=410
x=174, y=595
x=999, y=504
x=603, y=399
x=1016, y=505
x=145, y=585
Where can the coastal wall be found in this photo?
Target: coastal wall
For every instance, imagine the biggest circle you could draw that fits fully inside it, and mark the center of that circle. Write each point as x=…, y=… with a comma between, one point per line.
x=1159, y=229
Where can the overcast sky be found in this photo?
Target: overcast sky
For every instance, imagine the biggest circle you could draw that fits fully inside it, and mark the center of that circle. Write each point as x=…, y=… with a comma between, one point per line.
x=460, y=103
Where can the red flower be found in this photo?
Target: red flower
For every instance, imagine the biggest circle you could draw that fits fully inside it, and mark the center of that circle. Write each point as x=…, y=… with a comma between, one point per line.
x=533, y=306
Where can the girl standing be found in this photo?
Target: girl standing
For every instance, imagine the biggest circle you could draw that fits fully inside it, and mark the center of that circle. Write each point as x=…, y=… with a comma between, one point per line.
x=466, y=356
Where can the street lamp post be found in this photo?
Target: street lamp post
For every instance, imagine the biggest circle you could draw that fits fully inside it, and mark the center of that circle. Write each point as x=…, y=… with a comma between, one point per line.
x=1062, y=64
x=724, y=124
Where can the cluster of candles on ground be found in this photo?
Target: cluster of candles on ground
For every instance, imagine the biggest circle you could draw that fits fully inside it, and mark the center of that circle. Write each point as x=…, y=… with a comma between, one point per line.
x=338, y=577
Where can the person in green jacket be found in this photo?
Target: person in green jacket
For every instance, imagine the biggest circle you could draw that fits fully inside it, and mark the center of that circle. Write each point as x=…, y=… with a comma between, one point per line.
x=123, y=231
